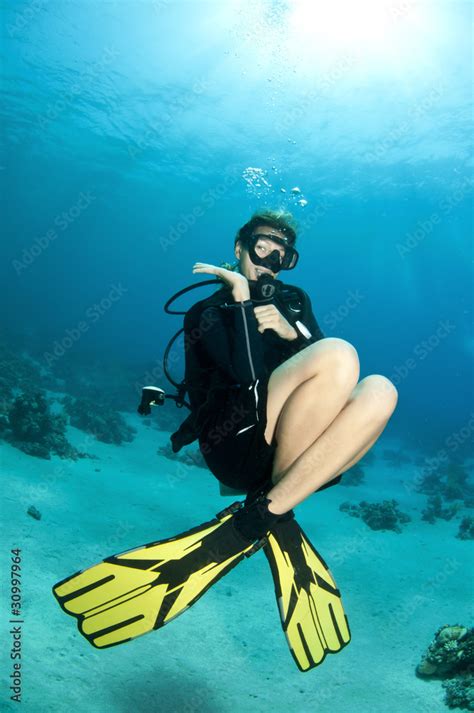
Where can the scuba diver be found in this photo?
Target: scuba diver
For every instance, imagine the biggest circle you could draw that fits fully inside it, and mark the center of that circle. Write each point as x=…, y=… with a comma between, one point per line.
x=279, y=414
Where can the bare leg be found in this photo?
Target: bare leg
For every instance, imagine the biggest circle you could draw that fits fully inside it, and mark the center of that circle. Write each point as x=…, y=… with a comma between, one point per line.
x=306, y=393
x=348, y=437
x=322, y=420
x=361, y=453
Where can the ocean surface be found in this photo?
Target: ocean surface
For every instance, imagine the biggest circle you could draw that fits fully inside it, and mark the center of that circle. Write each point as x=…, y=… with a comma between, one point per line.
x=137, y=138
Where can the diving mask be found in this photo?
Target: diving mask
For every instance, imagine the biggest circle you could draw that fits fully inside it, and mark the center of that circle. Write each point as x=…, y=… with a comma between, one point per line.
x=262, y=252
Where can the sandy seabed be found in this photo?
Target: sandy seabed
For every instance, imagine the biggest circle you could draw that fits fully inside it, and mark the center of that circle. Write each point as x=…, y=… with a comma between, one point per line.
x=228, y=653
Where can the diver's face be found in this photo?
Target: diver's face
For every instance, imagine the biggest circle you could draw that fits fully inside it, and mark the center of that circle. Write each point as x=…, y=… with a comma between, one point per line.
x=247, y=267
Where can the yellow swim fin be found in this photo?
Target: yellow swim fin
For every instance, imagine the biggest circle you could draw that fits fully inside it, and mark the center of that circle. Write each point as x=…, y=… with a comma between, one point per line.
x=311, y=611
x=134, y=592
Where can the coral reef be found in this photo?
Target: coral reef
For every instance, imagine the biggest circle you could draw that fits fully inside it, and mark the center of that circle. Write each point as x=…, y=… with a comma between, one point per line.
x=451, y=656
x=81, y=375
x=188, y=457
x=450, y=653
x=466, y=528
x=34, y=512
x=99, y=420
x=101, y=380
x=396, y=458
x=434, y=510
x=460, y=692
x=35, y=430
x=5, y=403
x=450, y=481
x=353, y=476
x=17, y=372
x=378, y=516
x=115, y=385
x=456, y=483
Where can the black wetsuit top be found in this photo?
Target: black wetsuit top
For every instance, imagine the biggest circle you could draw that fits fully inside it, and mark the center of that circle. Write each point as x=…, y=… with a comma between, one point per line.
x=225, y=350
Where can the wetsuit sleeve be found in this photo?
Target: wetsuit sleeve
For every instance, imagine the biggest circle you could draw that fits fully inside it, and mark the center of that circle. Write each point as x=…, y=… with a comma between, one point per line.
x=232, y=341
x=307, y=327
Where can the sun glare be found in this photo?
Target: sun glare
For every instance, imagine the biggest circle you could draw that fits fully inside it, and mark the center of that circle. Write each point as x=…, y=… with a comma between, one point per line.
x=366, y=27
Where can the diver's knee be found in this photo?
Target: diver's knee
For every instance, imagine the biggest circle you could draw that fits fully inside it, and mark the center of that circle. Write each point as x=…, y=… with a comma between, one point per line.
x=382, y=390
x=341, y=360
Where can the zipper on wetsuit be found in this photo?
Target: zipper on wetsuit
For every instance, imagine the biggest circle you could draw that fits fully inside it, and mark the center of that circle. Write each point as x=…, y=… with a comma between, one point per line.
x=242, y=306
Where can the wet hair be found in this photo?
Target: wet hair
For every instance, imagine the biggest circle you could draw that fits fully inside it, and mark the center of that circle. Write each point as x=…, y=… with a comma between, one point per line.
x=278, y=219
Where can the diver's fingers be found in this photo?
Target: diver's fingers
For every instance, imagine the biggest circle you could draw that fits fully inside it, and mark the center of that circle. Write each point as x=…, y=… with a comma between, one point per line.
x=266, y=309
x=204, y=267
x=269, y=314
x=266, y=322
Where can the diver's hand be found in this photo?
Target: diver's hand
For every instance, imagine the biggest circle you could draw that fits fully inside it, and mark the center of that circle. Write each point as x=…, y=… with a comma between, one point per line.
x=268, y=317
x=235, y=280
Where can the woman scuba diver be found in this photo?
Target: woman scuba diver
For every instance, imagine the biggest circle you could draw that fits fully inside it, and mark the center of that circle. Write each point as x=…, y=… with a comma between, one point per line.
x=279, y=413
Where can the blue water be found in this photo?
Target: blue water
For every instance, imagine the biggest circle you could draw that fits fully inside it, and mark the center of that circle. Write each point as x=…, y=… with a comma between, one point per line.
x=139, y=136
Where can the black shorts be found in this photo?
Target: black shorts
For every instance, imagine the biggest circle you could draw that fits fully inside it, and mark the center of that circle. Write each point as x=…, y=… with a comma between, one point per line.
x=233, y=443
